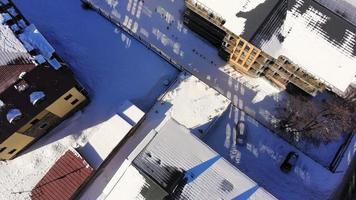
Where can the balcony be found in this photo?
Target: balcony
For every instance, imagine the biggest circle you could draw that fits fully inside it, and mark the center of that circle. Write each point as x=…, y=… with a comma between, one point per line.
x=257, y=67
x=261, y=60
x=284, y=73
x=231, y=40
x=289, y=67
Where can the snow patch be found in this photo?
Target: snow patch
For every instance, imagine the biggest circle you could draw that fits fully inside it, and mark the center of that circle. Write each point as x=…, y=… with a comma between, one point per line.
x=194, y=103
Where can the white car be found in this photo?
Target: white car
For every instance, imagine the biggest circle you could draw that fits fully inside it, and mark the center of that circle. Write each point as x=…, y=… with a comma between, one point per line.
x=241, y=133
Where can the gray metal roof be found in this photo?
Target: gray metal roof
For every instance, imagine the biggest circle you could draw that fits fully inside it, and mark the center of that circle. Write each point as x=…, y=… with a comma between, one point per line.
x=11, y=49
x=14, y=58
x=314, y=38
x=208, y=176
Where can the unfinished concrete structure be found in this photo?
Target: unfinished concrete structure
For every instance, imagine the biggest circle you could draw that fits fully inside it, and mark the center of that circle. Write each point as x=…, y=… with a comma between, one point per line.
x=242, y=33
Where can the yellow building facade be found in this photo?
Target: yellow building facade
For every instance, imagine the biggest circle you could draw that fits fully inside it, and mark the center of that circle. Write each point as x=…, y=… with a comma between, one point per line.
x=41, y=123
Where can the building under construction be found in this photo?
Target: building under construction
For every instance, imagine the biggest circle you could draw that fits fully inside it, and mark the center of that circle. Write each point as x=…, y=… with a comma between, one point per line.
x=255, y=38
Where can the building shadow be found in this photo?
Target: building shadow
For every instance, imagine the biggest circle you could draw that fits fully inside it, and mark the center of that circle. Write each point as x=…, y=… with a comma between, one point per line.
x=98, y=111
x=110, y=71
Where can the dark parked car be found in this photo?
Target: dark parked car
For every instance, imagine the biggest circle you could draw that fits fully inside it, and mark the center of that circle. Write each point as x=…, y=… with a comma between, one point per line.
x=241, y=133
x=289, y=162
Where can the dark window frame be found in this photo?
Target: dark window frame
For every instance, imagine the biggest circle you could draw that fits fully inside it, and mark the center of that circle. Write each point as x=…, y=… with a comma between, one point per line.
x=43, y=126
x=75, y=101
x=3, y=149
x=69, y=96
x=12, y=151
x=34, y=122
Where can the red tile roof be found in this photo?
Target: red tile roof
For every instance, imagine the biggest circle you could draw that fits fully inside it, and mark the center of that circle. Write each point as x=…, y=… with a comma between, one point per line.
x=64, y=178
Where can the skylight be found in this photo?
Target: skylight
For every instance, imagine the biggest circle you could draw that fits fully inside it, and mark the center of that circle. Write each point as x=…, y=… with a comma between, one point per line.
x=36, y=97
x=13, y=115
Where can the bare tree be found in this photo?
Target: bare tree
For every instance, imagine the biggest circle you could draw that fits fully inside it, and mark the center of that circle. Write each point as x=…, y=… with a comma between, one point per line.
x=350, y=98
x=301, y=118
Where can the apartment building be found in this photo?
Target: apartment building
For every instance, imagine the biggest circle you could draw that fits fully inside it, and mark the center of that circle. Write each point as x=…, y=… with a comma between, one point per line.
x=37, y=88
x=245, y=33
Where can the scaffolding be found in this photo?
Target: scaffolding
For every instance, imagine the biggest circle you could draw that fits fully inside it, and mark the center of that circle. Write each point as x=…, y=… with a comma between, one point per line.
x=247, y=58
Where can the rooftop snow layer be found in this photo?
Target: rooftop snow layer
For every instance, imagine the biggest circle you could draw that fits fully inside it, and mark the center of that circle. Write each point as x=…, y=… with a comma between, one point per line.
x=12, y=50
x=317, y=40
x=106, y=136
x=208, y=175
x=134, y=185
x=243, y=17
x=345, y=8
x=8, y=40
x=14, y=58
x=31, y=37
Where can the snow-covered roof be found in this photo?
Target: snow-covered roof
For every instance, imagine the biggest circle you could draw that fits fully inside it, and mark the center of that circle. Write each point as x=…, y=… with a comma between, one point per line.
x=14, y=58
x=134, y=185
x=131, y=113
x=242, y=17
x=32, y=38
x=206, y=174
x=107, y=135
x=11, y=49
x=310, y=35
x=8, y=39
x=317, y=40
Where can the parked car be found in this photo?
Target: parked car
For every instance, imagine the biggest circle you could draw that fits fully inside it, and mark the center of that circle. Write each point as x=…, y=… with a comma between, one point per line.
x=241, y=133
x=289, y=162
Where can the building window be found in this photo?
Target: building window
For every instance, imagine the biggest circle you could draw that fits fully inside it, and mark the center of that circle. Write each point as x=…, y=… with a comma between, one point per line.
x=13, y=115
x=36, y=97
x=2, y=149
x=12, y=151
x=68, y=97
x=43, y=126
x=35, y=121
x=75, y=101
